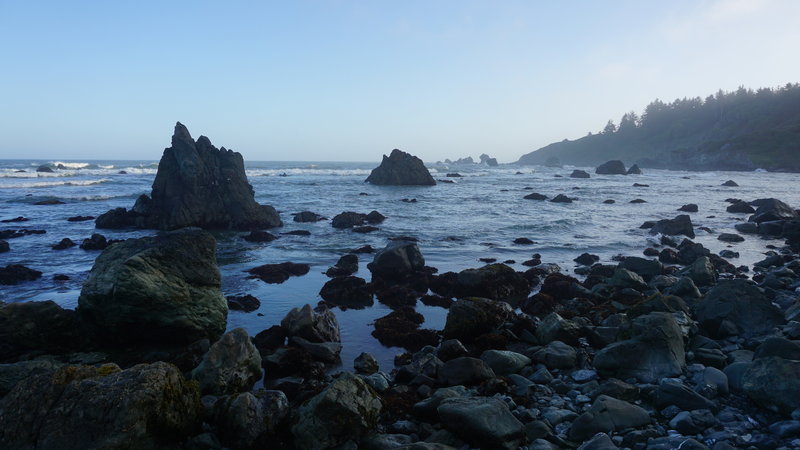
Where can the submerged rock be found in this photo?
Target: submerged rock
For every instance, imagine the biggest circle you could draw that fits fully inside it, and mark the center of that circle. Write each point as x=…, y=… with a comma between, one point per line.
x=17, y=273
x=168, y=285
x=400, y=168
x=278, y=273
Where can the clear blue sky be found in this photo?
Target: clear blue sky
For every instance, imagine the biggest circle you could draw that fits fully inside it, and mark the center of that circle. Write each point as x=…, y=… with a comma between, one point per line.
x=350, y=80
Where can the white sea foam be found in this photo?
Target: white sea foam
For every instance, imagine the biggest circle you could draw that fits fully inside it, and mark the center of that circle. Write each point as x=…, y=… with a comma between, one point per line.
x=43, y=184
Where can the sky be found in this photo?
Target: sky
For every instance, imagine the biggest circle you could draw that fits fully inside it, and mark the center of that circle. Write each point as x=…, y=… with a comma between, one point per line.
x=351, y=80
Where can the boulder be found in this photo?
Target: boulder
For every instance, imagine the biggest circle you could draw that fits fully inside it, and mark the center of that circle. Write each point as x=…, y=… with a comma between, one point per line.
x=278, y=273
x=730, y=183
x=556, y=355
x=470, y=317
x=689, y=207
x=577, y=173
x=246, y=303
x=535, y=196
x=701, y=272
x=44, y=168
x=504, y=362
x=79, y=407
x=561, y=198
x=116, y=218
x=655, y=351
x=349, y=292
x=488, y=160
x=95, y=242
x=365, y=364
x=772, y=209
x=198, y=185
x=613, y=167
x=17, y=273
x=347, y=409
x=260, y=236
x=11, y=374
x=674, y=392
x=397, y=260
x=346, y=265
x=605, y=415
x=401, y=169
x=249, y=419
x=348, y=219
x=307, y=216
x=230, y=366
x=168, y=285
x=740, y=305
x=400, y=328
x=680, y=225
x=730, y=237
x=634, y=170
x=41, y=327
x=482, y=422
x=314, y=325
x=555, y=328
x=464, y=370
x=773, y=382
x=494, y=281
x=740, y=207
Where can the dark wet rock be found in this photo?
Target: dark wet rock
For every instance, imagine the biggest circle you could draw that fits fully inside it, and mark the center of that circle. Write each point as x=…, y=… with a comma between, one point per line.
x=644, y=267
x=366, y=364
x=609, y=201
x=44, y=169
x=298, y=233
x=413, y=200
x=772, y=209
x=168, y=285
x=493, y=281
x=780, y=347
x=278, y=273
x=40, y=326
x=737, y=306
x=326, y=352
x=346, y=265
x=647, y=225
x=365, y=229
x=634, y=170
x=64, y=244
x=395, y=296
x=198, y=185
x=15, y=220
x=535, y=196
x=470, y=317
x=249, y=420
x=656, y=350
x=348, y=219
x=347, y=291
x=638, y=200
x=482, y=422
x=314, y=325
x=396, y=261
x=563, y=287
x=613, y=167
x=260, y=236
x=347, y=409
x=270, y=339
x=673, y=392
x=400, y=168
x=17, y=273
x=436, y=300
x=95, y=242
x=11, y=374
x=232, y=365
x=465, y=371
x=400, y=328
x=115, y=219
x=60, y=277
x=4, y=247
x=556, y=355
x=740, y=207
x=454, y=175
x=773, y=383
x=555, y=328
x=363, y=250
x=488, y=160
x=690, y=207
x=146, y=406
x=730, y=237
x=51, y=201
x=689, y=252
x=80, y=218
x=680, y=225
x=505, y=362
x=607, y=414
x=561, y=198
x=374, y=217
x=587, y=259
x=308, y=216
x=577, y=173
x=702, y=272
x=730, y=183
x=246, y=303
x=523, y=241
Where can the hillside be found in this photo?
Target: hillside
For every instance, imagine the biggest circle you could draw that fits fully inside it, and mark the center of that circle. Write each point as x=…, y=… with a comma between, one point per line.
x=741, y=130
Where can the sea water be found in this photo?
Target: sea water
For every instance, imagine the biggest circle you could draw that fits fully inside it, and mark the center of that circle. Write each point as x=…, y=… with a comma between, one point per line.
x=477, y=216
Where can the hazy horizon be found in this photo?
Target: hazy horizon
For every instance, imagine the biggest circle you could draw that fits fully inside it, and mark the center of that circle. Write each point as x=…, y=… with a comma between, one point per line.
x=339, y=81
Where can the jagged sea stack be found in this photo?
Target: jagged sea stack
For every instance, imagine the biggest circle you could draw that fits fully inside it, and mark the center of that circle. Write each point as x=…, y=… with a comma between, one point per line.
x=197, y=185
x=401, y=169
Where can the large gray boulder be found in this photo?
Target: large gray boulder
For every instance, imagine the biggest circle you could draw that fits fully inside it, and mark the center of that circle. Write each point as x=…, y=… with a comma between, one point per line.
x=397, y=260
x=737, y=305
x=347, y=409
x=771, y=209
x=81, y=407
x=198, y=185
x=774, y=383
x=401, y=169
x=230, y=366
x=605, y=415
x=163, y=289
x=248, y=420
x=655, y=351
x=680, y=225
x=613, y=167
x=482, y=422
x=314, y=325
x=470, y=317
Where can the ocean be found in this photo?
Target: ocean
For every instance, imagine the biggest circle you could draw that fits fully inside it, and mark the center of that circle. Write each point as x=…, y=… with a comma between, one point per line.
x=477, y=216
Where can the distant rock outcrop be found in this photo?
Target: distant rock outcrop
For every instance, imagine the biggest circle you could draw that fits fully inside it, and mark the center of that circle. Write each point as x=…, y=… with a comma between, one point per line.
x=402, y=169
x=197, y=185
x=489, y=161
x=613, y=167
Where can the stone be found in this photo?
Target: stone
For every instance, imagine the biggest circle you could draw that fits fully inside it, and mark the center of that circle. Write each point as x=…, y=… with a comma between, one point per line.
x=366, y=364
x=555, y=328
x=494, y=281
x=673, y=392
x=465, y=371
x=246, y=303
x=11, y=374
x=644, y=267
x=740, y=304
x=326, y=352
x=315, y=325
x=586, y=259
x=780, y=347
x=701, y=272
x=400, y=328
x=247, y=420
x=680, y=225
x=655, y=351
x=772, y=209
x=482, y=422
x=401, y=169
x=307, y=216
x=561, y=198
x=348, y=219
x=278, y=273
x=577, y=173
x=16, y=273
x=730, y=237
x=397, y=260
x=40, y=326
x=346, y=265
x=64, y=244
x=347, y=291
x=690, y=207
x=4, y=247
x=95, y=242
x=613, y=167
x=535, y=196
x=145, y=406
x=773, y=383
x=451, y=349
x=347, y=409
x=232, y=365
x=730, y=183
x=740, y=207
x=607, y=414
x=168, y=285
x=556, y=355
x=470, y=317
x=634, y=170
x=504, y=362
x=44, y=169
x=260, y=236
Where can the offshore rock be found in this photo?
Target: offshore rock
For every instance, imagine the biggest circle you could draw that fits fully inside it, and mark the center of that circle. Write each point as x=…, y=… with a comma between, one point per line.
x=401, y=169
x=79, y=407
x=168, y=285
x=681, y=224
x=613, y=167
x=397, y=260
x=197, y=185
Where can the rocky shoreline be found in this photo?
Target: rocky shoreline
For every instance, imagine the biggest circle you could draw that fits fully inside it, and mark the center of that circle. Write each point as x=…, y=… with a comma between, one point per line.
x=676, y=349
